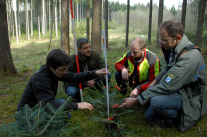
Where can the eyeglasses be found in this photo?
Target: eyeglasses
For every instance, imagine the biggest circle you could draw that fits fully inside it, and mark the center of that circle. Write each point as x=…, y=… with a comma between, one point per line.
x=163, y=41
x=62, y=70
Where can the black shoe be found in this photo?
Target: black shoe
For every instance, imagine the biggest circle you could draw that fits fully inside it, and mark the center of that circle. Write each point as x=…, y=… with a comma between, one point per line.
x=166, y=126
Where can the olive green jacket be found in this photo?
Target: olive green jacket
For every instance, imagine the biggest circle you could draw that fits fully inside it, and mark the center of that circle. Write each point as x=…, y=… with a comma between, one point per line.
x=94, y=62
x=187, y=77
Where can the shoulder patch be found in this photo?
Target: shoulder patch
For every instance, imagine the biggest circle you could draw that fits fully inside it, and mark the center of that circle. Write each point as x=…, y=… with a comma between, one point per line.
x=169, y=78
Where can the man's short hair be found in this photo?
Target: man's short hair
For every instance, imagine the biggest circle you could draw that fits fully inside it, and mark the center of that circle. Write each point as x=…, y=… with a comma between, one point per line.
x=173, y=28
x=57, y=58
x=82, y=41
x=141, y=43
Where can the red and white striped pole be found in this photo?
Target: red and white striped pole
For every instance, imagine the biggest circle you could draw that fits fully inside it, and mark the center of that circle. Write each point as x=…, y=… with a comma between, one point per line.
x=76, y=51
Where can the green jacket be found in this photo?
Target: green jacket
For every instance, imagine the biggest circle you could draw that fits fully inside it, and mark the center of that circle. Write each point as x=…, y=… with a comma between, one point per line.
x=187, y=77
x=94, y=62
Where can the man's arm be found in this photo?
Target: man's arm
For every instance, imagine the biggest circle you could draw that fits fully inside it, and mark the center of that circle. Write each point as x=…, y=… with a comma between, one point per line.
x=180, y=74
x=43, y=92
x=122, y=63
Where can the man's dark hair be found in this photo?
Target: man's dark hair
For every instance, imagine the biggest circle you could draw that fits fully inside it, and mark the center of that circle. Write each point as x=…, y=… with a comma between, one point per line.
x=57, y=58
x=173, y=28
x=82, y=41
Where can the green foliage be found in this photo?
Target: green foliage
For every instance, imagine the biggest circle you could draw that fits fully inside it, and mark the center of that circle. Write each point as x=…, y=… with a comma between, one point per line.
x=99, y=101
x=41, y=120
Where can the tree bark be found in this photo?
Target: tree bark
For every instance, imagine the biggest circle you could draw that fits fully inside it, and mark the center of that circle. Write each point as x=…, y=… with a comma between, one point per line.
x=65, y=26
x=6, y=62
x=88, y=19
x=106, y=23
x=183, y=13
x=160, y=19
x=96, y=36
x=150, y=23
x=127, y=24
x=201, y=13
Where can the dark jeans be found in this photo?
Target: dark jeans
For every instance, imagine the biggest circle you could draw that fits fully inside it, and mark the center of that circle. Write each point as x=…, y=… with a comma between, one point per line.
x=166, y=107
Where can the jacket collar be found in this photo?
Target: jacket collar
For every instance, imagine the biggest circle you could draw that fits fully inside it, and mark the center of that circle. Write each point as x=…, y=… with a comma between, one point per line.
x=182, y=44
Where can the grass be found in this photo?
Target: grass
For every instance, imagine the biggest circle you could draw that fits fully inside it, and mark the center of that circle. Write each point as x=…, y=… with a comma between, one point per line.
x=29, y=56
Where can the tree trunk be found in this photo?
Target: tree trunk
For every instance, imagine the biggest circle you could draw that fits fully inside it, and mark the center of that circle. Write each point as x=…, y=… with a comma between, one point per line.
x=201, y=13
x=150, y=23
x=56, y=20
x=77, y=14
x=183, y=13
x=160, y=19
x=96, y=36
x=6, y=62
x=106, y=22
x=65, y=26
x=88, y=19
x=127, y=24
x=18, y=17
x=15, y=17
x=31, y=8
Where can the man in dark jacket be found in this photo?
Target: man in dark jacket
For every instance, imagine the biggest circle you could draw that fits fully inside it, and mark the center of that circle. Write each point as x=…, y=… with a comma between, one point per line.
x=89, y=60
x=178, y=93
x=43, y=85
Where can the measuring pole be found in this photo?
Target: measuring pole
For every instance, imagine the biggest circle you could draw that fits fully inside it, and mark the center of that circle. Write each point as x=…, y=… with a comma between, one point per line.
x=104, y=52
x=76, y=51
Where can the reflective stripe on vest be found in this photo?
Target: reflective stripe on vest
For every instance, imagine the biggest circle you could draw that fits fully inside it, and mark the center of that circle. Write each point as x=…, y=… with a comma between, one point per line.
x=143, y=69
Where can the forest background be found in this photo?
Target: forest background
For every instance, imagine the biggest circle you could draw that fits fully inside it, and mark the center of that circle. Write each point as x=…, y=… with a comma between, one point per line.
x=34, y=39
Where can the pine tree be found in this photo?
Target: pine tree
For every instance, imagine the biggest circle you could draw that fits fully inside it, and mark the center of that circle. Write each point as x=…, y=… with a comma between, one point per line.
x=112, y=123
x=41, y=120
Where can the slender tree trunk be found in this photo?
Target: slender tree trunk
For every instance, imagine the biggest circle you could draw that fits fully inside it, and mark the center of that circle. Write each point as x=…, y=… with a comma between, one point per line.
x=127, y=24
x=56, y=20
x=65, y=26
x=183, y=12
x=31, y=8
x=106, y=22
x=18, y=18
x=96, y=36
x=39, y=27
x=201, y=13
x=88, y=19
x=6, y=62
x=15, y=17
x=160, y=19
x=26, y=16
x=150, y=23
x=77, y=14
x=80, y=10
x=49, y=15
x=53, y=20
x=43, y=17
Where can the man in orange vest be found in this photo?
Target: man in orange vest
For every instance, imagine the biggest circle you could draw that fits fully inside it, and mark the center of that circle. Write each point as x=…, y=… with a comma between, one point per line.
x=137, y=68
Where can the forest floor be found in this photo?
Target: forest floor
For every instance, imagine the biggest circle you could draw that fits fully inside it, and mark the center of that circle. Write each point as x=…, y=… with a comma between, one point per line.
x=28, y=56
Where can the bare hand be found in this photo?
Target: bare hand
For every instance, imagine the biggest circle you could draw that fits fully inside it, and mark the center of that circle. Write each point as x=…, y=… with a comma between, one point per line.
x=125, y=74
x=154, y=82
x=85, y=105
x=90, y=83
x=134, y=93
x=102, y=72
x=129, y=102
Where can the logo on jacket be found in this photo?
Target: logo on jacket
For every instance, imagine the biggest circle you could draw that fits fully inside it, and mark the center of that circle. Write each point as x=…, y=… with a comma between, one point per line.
x=169, y=78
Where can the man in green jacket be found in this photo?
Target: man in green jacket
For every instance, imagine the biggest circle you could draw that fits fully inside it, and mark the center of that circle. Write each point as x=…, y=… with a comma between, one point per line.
x=177, y=95
x=89, y=60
